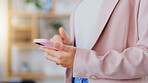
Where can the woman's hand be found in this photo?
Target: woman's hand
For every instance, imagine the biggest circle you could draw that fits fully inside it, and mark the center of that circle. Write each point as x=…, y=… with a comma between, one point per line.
x=65, y=54
x=62, y=38
x=64, y=57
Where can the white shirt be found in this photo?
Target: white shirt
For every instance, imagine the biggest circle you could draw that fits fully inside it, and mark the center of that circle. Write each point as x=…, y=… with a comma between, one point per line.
x=85, y=21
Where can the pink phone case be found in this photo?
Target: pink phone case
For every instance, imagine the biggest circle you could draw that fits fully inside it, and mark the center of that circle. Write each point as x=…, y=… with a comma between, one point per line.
x=44, y=43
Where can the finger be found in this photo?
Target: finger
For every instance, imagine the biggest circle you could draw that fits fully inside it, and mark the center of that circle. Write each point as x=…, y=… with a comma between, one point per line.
x=51, y=58
x=63, y=34
x=63, y=47
x=50, y=51
x=56, y=38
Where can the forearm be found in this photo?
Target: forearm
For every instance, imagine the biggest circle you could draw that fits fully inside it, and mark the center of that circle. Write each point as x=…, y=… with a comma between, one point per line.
x=131, y=63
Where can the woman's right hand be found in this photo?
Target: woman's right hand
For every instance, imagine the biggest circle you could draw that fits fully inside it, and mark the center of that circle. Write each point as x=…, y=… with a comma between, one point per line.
x=62, y=38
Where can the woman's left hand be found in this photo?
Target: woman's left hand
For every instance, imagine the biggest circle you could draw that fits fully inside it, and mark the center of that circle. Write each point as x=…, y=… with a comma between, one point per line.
x=64, y=56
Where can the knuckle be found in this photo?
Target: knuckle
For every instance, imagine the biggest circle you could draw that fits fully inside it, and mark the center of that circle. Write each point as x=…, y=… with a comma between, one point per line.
x=59, y=57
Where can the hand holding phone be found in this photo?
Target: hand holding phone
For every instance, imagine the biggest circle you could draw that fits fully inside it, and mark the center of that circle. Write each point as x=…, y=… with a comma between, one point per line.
x=44, y=43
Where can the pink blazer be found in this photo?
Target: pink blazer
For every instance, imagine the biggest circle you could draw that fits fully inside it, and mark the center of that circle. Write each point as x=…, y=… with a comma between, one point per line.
x=119, y=48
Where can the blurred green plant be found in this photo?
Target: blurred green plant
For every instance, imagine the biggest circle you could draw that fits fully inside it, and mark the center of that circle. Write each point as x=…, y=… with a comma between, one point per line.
x=56, y=25
x=36, y=2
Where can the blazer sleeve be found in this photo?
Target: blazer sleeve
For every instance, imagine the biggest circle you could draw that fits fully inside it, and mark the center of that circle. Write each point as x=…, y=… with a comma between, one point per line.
x=131, y=63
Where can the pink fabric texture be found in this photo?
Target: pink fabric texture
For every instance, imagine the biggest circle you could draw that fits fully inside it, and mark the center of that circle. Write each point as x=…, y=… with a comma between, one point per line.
x=119, y=48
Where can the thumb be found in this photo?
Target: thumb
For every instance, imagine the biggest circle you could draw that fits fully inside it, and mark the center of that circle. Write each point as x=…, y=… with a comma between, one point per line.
x=64, y=35
x=63, y=47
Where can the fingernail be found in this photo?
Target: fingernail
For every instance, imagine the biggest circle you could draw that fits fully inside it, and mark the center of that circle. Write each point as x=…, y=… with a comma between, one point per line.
x=57, y=45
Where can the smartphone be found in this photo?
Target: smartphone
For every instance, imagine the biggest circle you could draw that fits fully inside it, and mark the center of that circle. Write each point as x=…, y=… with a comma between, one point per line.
x=44, y=43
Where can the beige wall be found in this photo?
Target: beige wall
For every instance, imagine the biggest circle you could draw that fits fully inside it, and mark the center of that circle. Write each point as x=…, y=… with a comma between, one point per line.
x=3, y=38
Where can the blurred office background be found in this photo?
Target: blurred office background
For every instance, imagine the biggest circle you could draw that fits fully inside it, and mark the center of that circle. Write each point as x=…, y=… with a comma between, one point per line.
x=20, y=22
